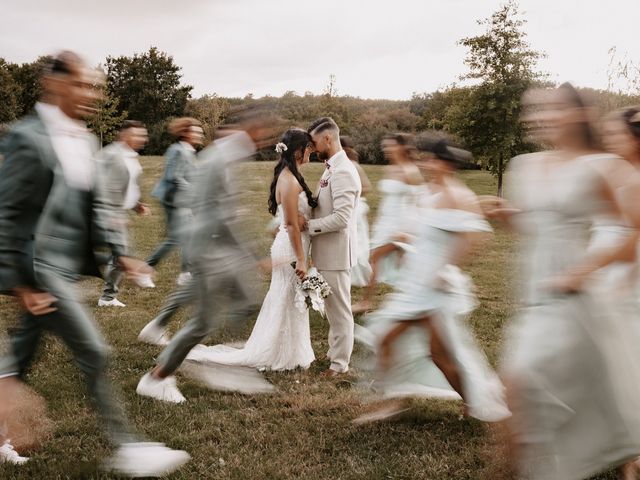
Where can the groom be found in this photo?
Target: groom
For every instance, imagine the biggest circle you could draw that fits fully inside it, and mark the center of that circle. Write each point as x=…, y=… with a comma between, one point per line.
x=333, y=233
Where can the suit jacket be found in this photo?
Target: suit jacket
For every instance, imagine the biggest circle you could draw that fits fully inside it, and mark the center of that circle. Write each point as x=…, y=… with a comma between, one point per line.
x=175, y=187
x=212, y=232
x=333, y=227
x=65, y=227
x=114, y=174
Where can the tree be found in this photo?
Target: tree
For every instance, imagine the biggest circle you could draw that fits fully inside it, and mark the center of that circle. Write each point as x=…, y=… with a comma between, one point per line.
x=9, y=91
x=623, y=74
x=27, y=77
x=107, y=120
x=211, y=110
x=148, y=86
x=504, y=64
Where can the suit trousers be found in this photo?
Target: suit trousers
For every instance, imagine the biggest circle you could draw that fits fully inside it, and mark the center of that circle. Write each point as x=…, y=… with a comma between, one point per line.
x=113, y=276
x=338, y=310
x=175, y=219
x=182, y=296
x=73, y=324
x=217, y=285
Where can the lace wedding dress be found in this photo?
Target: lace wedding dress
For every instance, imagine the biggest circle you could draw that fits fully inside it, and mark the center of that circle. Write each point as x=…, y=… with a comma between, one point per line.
x=281, y=338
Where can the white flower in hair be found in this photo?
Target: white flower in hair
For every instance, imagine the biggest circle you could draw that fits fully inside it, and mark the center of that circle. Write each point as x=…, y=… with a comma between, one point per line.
x=281, y=147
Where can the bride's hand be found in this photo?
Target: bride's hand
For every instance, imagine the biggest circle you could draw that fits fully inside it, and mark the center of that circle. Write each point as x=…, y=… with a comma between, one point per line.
x=301, y=269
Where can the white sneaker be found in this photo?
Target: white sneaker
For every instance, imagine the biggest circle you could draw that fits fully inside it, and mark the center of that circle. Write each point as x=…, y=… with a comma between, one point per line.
x=144, y=281
x=184, y=278
x=146, y=460
x=154, y=334
x=110, y=303
x=164, y=389
x=9, y=455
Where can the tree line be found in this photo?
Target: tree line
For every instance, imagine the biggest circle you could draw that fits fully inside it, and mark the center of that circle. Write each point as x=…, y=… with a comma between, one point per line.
x=480, y=110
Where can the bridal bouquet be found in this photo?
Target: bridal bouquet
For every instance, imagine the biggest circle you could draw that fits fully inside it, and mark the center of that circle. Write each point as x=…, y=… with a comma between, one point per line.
x=311, y=291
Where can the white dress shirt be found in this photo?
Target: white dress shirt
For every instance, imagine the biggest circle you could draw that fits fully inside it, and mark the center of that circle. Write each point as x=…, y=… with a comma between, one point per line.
x=130, y=157
x=72, y=143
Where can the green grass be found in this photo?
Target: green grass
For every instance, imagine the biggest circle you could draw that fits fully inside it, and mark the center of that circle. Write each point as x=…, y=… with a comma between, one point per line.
x=304, y=431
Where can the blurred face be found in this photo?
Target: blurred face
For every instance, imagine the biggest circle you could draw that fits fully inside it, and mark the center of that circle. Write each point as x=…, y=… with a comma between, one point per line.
x=76, y=93
x=552, y=119
x=437, y=168
x=136, y=138
x=422, y=163
x=195, y=136
x=393, y=151
x=619, y=140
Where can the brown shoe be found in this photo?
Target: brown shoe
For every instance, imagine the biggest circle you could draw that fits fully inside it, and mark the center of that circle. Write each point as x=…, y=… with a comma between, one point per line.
x=331, y=373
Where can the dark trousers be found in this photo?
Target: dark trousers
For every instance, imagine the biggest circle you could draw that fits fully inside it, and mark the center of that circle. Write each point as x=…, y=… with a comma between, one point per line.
x=112, y=278
x=223, y=281
x=73, y=324
x=175, y=219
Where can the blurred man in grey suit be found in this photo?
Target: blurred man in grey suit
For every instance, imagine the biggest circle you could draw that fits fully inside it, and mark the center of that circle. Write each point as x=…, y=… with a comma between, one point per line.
x=120, y=172
x=224, y=269
x=53, y=217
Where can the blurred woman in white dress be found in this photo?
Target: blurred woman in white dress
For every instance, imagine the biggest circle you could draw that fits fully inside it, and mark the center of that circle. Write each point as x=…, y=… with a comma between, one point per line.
x=571, y=362
x=423, y=345
x=395, y=221
x=361, y=271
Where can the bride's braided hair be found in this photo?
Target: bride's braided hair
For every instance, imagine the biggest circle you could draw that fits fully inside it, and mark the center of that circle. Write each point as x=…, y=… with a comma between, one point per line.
x=296, y=140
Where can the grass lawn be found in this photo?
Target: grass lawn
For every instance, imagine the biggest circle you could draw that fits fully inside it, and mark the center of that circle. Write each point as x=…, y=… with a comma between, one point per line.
x=305, y=430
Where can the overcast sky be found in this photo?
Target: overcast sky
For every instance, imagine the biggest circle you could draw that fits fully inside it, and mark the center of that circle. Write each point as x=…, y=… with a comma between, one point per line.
x=376, y=49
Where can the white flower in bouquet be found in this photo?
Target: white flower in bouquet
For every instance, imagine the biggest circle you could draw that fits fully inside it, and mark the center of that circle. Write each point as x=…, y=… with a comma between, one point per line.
x=311, y=291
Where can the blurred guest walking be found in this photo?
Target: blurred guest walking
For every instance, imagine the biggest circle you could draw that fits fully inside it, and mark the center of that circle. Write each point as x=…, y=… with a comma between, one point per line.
x=571, y=334
x=423, y=346
x=396, y=214
x=53, y=216
x=175, y=190
x=121, y=170
x=223, y=266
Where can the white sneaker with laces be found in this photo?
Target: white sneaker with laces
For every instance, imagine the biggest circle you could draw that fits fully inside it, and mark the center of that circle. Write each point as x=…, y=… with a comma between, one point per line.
x=146, y=459
x=184, y=278
x=154, y=334
x=144, y=281
x=164, y=389
x=110, y=303
x=9, y=455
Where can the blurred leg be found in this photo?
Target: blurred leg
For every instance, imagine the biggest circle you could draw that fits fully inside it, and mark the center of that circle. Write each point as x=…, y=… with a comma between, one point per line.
x=77, y=329
x=183, y=295
x=170, y=241
x=113, y=277
x=209, y=290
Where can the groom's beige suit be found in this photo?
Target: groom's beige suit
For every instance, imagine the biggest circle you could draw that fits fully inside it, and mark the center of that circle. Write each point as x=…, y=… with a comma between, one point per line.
x=333, y=231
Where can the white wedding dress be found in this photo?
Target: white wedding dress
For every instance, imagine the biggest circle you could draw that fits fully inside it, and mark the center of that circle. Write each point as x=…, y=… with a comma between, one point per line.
x=281, y=338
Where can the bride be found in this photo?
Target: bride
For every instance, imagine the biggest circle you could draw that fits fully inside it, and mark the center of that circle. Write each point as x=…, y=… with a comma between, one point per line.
x=281, y=338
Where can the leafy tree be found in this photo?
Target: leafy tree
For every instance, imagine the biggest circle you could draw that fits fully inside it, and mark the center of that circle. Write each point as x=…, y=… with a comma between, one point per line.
x=9, y=91
x=27, y=77
x=504, y=64
x=107, y=120
x=211, y=110
x=148, y=87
